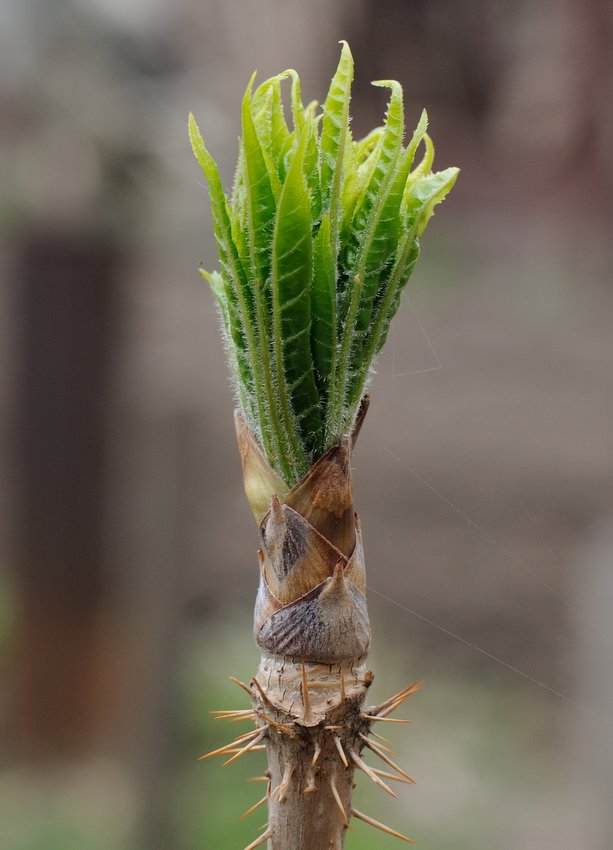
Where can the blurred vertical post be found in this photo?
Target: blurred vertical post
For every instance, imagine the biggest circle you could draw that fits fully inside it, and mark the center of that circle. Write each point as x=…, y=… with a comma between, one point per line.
x=66, y=315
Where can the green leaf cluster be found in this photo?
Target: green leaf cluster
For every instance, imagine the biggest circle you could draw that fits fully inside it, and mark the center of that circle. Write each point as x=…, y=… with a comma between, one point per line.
x=316, y=241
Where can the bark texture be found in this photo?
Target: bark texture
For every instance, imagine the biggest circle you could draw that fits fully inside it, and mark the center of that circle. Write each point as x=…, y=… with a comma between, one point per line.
x=310, y=766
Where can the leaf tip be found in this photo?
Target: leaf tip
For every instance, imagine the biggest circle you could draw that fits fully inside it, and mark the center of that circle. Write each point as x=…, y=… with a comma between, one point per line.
x=249, y=89
x=192, y=125
x=197, y=142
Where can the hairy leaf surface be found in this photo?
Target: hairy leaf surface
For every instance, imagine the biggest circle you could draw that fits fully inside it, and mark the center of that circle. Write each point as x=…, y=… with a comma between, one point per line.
x=292, y=264
x=259, y=198
x=323, y=308
x=316, y=246
x=334, y=130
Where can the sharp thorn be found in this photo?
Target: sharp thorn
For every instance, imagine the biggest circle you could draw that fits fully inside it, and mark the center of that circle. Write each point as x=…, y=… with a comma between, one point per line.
x=254, y=807
x=236, y=718
x=263, y=837
x=374, y=718
x=261, y=691
x=385, y=749
x=226, y=712
x=380, y=737
x=377, y=751
x=394, y=706
x=377, y=825
x=232, y=719
x=310, y=786
x=249, y=746
x=341, y=751
x=371, y=774
x=305, y=693
x=259, y=779
x=250, y=734
x=282, y=727
x=259, y=749
x=339, y=802
x=405, y=693
x=316, y=754
x=332, y=728
x=228, y=747
x=342, y=685
x=391, y=776
x=242, y=685
x=281, y=789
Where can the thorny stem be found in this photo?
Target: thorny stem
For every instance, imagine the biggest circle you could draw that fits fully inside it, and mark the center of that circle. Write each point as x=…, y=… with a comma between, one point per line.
x=314, y=737
x=314, y=807
x=304, y=314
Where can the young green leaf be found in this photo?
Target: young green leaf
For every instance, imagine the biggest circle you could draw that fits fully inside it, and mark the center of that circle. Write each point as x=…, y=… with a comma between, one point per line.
x=425, y=194
x=424, y=168
x=278, y=127
x=385, y=237
x=235, y=291
x=240, y=368
x=394, y=304
x=296, y=99
x=271, y=129
x=311, y=161
x=292, y=263
x=364, y=147
x=368, y=207
x=366, y=155
x=366, y=221
x=334, y=132
x=260, y=201
x=300, y=117
x=429, y=191
x=260, y=207
x=350, y=188
x=323, y=308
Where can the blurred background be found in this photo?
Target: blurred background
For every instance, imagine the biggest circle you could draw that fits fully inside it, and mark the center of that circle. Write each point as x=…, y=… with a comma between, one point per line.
x=484, y=474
